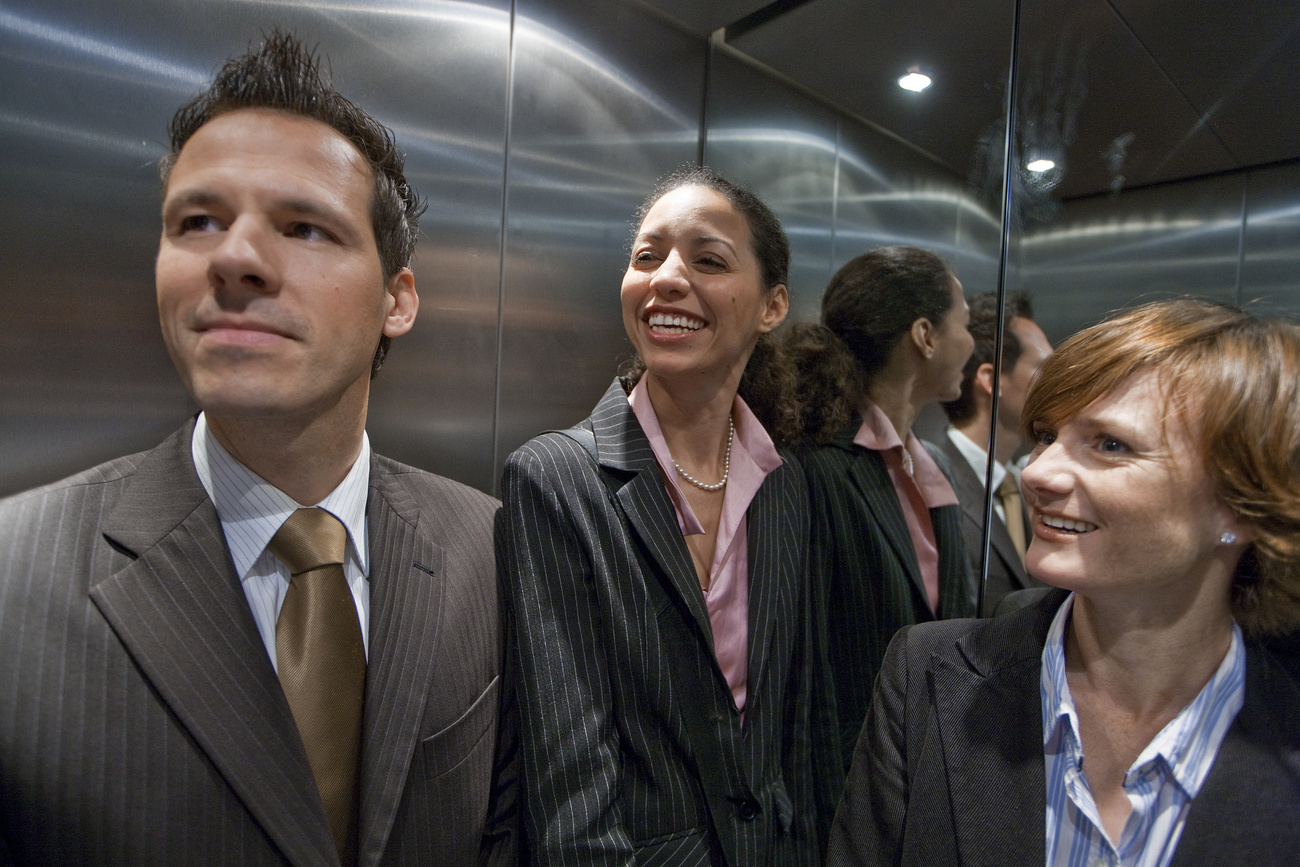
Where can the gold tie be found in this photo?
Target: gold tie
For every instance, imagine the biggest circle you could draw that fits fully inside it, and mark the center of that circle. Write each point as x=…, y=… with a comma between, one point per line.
x=322, y=663
x=1009, y=492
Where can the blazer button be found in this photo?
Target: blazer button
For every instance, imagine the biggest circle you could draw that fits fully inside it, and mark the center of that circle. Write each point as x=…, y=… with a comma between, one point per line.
x=747, y=810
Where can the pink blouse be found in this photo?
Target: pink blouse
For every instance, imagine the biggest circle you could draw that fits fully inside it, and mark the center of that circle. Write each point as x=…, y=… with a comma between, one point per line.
x=753, y=456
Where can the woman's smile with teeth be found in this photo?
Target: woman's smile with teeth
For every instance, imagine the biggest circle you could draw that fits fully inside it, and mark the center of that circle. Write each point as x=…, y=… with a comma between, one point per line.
x=674, y=323
x=1067, y=524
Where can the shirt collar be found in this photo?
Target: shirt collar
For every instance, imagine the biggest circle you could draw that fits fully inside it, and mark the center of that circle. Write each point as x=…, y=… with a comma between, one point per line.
x=252, y=510
x=753, y=454
x=877, y=434
x=1189, y=743
x=976, y=456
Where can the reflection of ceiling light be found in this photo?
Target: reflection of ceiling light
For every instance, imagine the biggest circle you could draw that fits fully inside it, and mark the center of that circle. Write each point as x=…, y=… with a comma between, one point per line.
x=915, y=80
x=1041, y=165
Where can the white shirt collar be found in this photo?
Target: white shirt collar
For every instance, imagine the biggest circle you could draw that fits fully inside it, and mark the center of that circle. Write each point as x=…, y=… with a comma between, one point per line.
x=252, y=510
x=976, y=456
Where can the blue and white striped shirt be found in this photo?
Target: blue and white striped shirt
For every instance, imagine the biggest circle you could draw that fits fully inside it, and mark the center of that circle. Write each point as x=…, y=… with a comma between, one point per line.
x=251, y=510
x=1161, y=783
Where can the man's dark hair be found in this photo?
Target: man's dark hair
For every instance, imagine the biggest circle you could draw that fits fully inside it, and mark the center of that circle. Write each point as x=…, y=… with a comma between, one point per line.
x=284, y=75
x=984, y=328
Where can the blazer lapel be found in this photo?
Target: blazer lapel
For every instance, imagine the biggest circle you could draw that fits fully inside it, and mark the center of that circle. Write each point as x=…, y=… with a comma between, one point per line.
x=1245, y=811
x=872, y=479
x=406, y=592
x=768, y=589
x=621, y=446
x=179, y=610
x=999, y=681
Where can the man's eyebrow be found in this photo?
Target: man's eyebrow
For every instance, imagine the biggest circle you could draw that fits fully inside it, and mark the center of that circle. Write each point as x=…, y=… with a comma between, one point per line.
x=208, y=198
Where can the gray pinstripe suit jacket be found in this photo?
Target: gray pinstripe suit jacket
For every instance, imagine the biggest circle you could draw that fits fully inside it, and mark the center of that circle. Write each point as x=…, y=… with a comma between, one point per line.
x=621, y=697
x=866, y=585
x=1006, y=573
x=141, y=721
x=950, y=768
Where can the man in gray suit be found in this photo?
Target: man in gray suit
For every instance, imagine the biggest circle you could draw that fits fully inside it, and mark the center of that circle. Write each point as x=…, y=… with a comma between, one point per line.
x=198, y=669
x=1024, y=349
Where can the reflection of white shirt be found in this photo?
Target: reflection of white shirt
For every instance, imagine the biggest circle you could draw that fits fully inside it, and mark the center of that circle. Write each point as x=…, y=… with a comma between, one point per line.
x=252, y=510
x=978, y=459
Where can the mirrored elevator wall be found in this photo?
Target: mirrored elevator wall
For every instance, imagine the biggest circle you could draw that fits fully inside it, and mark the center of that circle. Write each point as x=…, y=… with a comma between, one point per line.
x=1233, y=238
x=840, y=185
x=535, y=127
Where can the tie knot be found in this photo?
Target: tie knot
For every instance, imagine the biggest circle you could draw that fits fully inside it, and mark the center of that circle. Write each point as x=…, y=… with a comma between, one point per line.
x=311, y=538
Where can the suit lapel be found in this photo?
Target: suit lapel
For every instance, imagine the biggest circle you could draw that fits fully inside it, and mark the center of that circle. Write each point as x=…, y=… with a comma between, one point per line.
x=1245, y=810
x=998, y=679
x=766, y=572
x=872, y=478
x=178, y=608
x=406, y=595
x=971, y=494
x=621, y=446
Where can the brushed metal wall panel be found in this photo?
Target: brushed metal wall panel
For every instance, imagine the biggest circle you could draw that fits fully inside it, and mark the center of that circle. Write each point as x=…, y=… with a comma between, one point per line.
x=1270, y=267
x=775, y=140
x=83, y=373
x=1106, y=252
x=606, y=98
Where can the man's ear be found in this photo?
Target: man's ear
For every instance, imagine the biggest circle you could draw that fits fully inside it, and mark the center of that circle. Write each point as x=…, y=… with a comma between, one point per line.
x=984, y=379
x=403, y=303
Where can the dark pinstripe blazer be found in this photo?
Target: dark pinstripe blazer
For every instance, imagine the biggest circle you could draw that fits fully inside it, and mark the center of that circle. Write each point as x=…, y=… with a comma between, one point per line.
x=621, y=696
x=867, y=584
x=141, y=721
x=1006, y=572
x=950, y=766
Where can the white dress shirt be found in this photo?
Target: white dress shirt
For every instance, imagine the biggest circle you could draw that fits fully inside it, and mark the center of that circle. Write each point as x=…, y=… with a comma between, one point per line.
x=978, y=459
x=251, y=512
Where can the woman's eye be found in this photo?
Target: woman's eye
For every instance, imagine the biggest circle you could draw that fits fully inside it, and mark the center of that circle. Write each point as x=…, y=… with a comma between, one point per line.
x=713, y=263
x=1111, y=445
x=1044, y=437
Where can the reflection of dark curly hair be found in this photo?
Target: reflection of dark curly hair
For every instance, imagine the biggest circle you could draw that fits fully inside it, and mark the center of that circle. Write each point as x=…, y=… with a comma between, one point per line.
x=768, y=382
x=284, y=75
x=868, y=306
x=1234, y=380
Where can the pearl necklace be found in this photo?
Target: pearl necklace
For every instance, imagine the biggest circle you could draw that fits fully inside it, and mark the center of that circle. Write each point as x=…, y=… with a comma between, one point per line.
x=726, y=465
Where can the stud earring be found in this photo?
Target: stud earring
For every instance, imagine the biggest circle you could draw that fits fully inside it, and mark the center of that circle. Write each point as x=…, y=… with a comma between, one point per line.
x=1228, y=538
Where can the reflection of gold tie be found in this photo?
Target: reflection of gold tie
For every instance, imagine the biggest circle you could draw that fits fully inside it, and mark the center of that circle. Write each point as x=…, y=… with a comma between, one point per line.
x=322, y=663
x=1009, y=493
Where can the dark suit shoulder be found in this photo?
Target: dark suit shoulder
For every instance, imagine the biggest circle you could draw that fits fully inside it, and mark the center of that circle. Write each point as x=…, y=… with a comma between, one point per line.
x=107, y=473
x=987, y=644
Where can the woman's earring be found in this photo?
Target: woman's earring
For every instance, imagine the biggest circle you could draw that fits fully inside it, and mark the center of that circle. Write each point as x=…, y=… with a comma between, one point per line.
x=1228, y=538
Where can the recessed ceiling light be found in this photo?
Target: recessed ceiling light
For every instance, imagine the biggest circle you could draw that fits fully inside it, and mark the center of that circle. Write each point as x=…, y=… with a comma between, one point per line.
x=1041, y=165
x=915, y=80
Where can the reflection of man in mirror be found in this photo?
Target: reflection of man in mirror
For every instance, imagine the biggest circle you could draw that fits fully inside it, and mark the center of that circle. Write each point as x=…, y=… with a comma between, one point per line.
x=1024, y=349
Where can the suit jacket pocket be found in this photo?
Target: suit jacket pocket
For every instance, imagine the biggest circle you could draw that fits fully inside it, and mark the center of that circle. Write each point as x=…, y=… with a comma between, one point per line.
x=445, y=750
x=685, y=849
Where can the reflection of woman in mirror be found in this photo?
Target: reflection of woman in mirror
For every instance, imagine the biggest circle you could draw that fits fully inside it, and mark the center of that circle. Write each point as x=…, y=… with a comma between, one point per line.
x=655, y=561
x=887, y=547
x=1129, y=716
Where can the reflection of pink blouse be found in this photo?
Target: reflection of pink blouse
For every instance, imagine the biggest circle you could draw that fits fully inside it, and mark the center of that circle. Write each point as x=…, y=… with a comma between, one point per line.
x=753, y=456
x=924, y=489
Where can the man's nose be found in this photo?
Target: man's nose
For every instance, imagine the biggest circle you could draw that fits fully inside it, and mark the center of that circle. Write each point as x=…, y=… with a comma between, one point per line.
x=243, y=258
